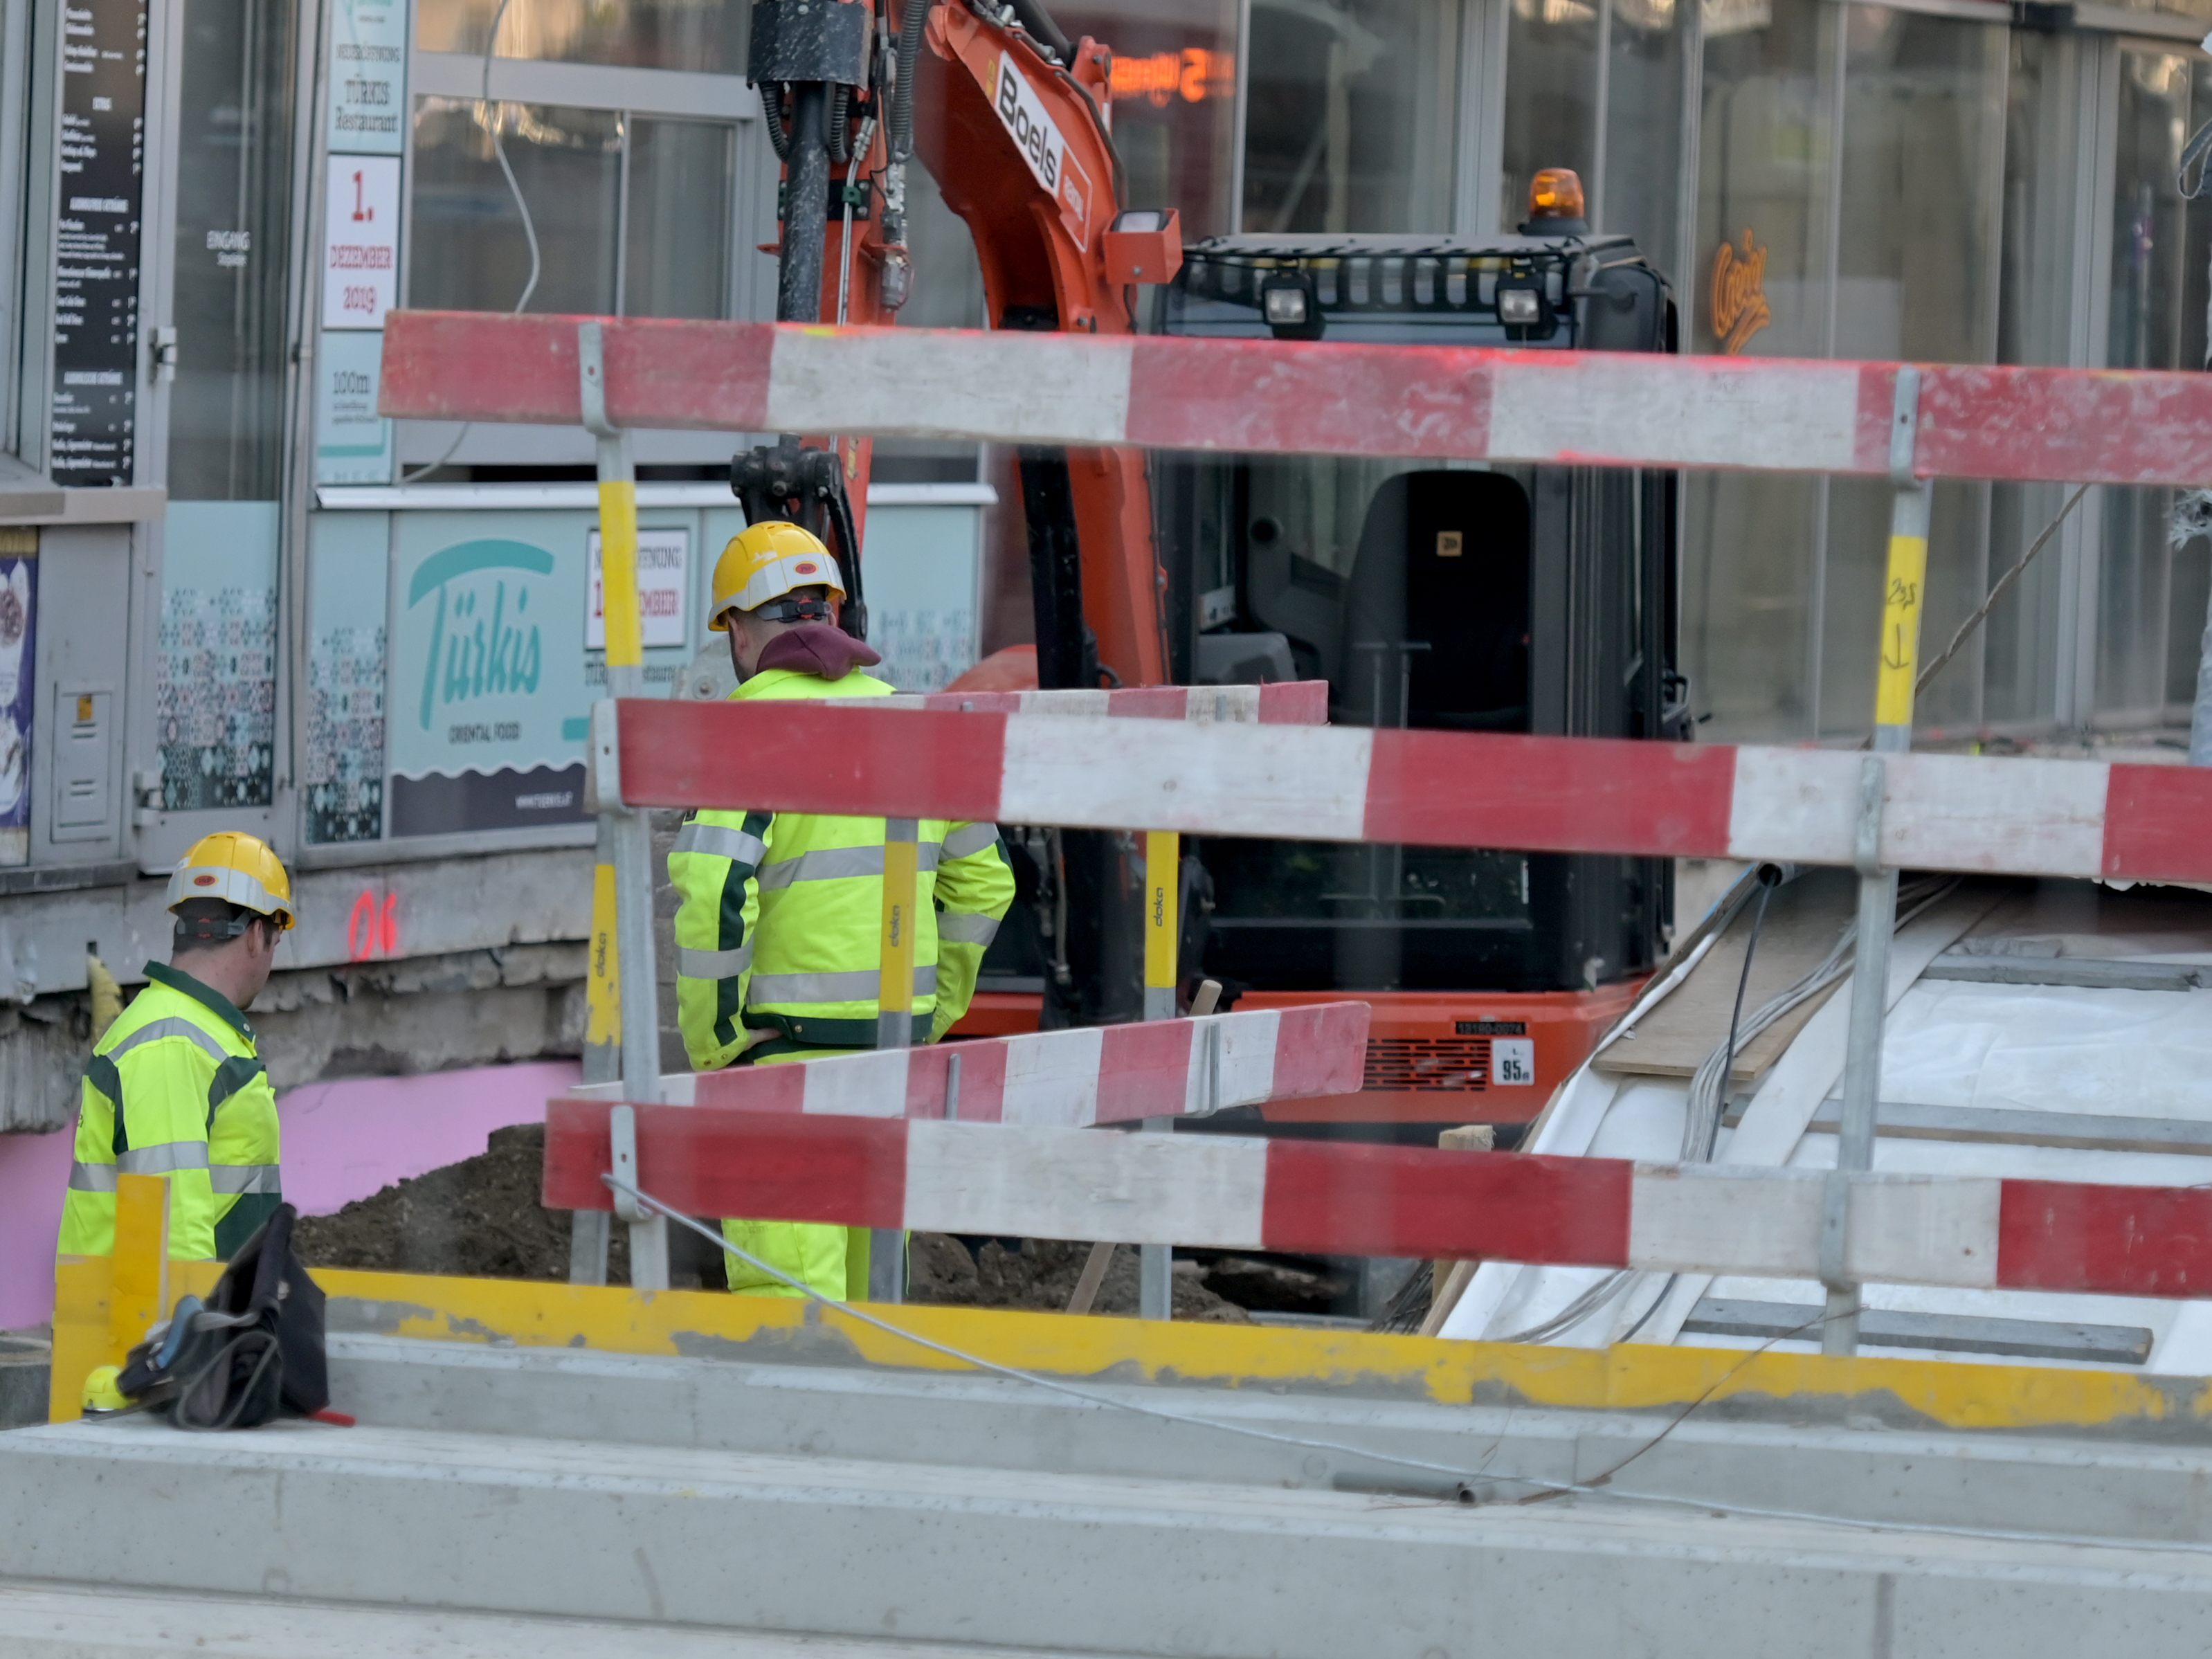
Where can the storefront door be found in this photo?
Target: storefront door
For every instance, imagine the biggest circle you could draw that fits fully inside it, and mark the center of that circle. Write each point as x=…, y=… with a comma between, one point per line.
x=221, y=139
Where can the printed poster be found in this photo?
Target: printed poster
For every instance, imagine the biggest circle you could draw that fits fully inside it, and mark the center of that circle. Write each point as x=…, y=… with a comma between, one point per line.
x=19, y=600
x=491, y=685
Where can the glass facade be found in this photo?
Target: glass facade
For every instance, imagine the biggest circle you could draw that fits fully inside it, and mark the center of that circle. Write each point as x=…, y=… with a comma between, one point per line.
x=1350, y=115
x=632, y=214
x=706, y=35
x=1750, y=628
x=1816, y=178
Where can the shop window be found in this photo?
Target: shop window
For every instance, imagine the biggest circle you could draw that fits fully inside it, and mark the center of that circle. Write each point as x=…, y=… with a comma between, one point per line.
x=2155, y=312
x=1551, y=97
x=1174, y=98
x=1350, y=116
x=234, y=191
x=1641, y=188
x=633, y=213
x=1922, y=170
x=706, y=35
x=2035, y=325
x=1760, y=286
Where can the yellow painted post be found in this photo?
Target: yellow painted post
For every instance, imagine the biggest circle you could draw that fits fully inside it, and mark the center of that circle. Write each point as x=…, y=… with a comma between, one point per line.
x=1900, y=624
x=91, y=1331
x=629, y=845
x=1162, y=867
x=618, y=572
x=1163, y=930
x=895, y=987
x=589, y=1231
x=895, y=1016
x=140, y=1292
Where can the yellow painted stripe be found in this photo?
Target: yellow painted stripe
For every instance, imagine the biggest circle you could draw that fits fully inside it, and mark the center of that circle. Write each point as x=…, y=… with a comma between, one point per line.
x=1163, y=855
x=618, y=572
x=603, y=988
x=1900, y=629
x=1793, y=1386
x=894, y=990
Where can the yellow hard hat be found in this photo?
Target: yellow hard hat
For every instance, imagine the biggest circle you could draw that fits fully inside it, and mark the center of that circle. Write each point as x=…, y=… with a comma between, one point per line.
x=766, y=561
x=238, y=868
x=100, y=1394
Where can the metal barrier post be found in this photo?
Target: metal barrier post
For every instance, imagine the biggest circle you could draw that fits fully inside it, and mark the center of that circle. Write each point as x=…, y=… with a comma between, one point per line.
x=1903, y=595
x=1163, y=864
x=628, y=842
x=895, y=1019
x=589, y=1230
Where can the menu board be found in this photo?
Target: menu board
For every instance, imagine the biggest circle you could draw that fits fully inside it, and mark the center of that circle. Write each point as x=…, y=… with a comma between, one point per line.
x=93, y=427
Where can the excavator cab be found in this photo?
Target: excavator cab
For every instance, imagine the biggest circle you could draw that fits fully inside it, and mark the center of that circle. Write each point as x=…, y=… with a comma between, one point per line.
x=1452, y=597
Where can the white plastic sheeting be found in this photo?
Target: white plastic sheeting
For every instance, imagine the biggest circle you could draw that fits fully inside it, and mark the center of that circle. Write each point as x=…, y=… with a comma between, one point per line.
x=1948, y=1043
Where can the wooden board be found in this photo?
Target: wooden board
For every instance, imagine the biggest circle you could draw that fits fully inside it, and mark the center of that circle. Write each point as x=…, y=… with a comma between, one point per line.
x=1803, y=921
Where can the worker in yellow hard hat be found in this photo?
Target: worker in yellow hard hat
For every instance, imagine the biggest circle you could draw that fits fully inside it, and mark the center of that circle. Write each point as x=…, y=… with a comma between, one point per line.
x=175, y=1088
x=778, y=939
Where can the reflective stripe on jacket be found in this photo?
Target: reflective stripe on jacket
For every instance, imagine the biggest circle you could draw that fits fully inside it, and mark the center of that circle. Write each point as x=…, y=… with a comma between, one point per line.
x=175, y=1088
x=778, y=929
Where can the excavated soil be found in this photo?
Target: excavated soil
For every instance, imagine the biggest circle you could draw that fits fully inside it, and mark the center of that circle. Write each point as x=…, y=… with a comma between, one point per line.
x=481, y=1218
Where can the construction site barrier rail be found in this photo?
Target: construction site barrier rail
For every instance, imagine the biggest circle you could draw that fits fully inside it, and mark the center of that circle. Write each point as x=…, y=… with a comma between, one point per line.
x=1086, y=1075
x=1997, y=815
x=1234, y=1193
x=1906, y=422
x=1328, y=397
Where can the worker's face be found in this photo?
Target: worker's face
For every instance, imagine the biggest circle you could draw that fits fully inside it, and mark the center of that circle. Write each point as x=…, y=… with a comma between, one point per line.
x=750, y=636
x=258, y=949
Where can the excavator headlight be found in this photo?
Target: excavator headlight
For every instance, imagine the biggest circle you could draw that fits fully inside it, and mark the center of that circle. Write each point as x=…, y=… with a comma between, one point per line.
x=1287, y=300
x=1520, y=308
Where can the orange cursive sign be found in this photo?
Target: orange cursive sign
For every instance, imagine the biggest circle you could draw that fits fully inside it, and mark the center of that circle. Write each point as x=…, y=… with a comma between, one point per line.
x=1739, y=294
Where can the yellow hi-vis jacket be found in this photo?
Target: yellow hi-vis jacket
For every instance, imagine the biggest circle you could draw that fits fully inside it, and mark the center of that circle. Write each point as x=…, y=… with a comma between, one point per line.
x=780, y=932
x=175, y=1088
x=780, y=924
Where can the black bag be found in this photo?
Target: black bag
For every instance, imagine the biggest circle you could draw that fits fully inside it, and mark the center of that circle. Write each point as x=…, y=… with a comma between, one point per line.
x=254, y=1349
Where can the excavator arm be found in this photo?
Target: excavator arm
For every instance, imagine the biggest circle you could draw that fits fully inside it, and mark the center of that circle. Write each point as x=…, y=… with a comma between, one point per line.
x=1009, y=118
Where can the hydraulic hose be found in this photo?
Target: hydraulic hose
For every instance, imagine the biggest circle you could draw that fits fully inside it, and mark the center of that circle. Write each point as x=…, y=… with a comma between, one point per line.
x=771, y=96
x=806, y=209
x=1037, y=22
x=911, y=22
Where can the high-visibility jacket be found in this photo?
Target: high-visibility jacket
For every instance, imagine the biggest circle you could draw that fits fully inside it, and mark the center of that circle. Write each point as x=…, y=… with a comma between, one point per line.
x=780, y=924
x=175, y=1088
x=779, y=948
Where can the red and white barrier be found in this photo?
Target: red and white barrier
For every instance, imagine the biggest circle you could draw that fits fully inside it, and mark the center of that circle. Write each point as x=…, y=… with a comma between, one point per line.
x=1090, y=1075
x=1231, y=1193
x=2047, y=817
x=1291, y=396
x=1288, y=702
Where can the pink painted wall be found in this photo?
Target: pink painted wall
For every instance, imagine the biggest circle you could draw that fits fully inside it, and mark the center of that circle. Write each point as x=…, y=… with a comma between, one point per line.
x=342, y=1141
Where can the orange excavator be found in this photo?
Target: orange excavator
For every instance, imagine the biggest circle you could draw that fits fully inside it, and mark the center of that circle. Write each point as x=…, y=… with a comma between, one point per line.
x=1500, y=599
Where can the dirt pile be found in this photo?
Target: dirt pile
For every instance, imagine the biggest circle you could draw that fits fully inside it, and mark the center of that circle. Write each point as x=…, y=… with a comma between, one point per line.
x=1040, y=1274
x=479, y=1217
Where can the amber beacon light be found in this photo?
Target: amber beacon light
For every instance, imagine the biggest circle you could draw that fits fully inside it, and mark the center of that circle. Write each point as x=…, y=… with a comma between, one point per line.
x=1556, y=193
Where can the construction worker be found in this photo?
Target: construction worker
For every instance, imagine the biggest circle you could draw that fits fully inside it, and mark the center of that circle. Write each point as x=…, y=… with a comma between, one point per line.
x=778, y=936
x=175, y=1088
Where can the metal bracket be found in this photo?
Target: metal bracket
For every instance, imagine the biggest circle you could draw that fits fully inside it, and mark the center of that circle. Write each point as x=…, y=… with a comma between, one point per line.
x=1866, y=837
x=621, y=1132
x=1905, y=425
x=1213, y=1068
x=952, y=1086
x=603, y=760
x=591, y=378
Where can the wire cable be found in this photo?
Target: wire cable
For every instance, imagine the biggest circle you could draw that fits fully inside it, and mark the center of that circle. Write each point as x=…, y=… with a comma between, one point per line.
x=522, y=207
x=1470, y=1483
